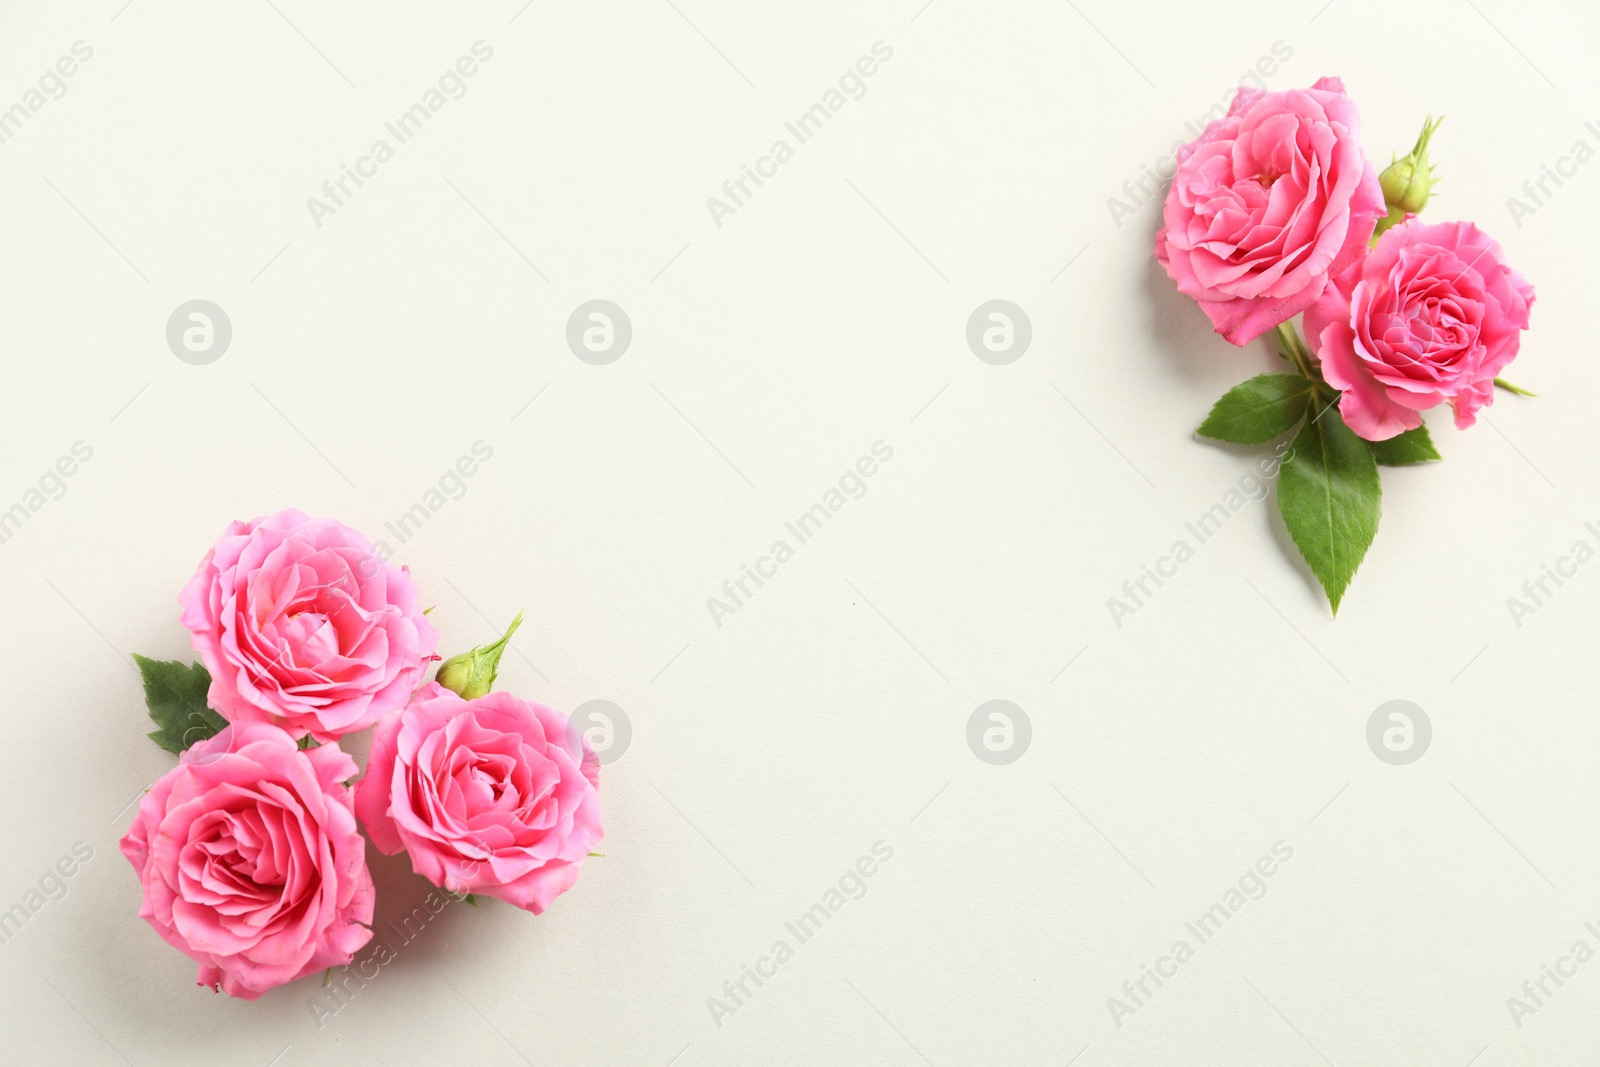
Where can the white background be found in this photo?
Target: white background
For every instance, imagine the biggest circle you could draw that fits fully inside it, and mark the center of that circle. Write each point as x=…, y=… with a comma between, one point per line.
x=768, y=354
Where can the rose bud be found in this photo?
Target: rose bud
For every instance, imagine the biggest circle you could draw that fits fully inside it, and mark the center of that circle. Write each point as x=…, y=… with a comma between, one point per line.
x=471, y=674
x=1408, y=181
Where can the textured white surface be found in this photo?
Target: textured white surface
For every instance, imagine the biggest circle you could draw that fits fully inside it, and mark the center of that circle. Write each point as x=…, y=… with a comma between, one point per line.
x=768, y=354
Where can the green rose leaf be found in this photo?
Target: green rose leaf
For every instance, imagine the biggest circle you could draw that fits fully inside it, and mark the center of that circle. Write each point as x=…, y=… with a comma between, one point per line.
x=1413, y=446
x=1330, y=497
x=176, y=697
x=1258, y=410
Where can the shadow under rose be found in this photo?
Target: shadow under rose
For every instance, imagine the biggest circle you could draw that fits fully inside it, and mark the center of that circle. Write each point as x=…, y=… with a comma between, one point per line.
x=1191, y=346
x=412, y=916
x=1180, y=330
x=411, y=924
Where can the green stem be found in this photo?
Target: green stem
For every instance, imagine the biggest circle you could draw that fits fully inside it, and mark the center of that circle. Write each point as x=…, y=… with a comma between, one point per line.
x=1296, y=352
x=1517, y=389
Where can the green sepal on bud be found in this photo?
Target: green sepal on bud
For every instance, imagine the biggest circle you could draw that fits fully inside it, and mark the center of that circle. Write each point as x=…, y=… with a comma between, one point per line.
x=471, y=674
x=1408, y=181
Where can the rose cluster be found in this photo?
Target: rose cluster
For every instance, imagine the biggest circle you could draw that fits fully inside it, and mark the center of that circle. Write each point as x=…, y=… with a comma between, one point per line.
x=1275, y=211
x=249, y=852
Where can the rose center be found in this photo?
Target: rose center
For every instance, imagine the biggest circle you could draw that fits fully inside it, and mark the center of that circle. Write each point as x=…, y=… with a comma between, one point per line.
x=313, y=634
x=486, y=776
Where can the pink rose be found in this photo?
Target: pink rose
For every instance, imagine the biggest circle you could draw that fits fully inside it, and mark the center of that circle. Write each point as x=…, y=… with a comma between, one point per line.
x=1267, y=202
x=251, y=860
x=301, y=625
x=1433, y=314
x=494, y=795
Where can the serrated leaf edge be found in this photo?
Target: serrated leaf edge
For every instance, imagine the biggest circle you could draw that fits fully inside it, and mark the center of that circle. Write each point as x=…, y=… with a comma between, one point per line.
x=1307, y=394
x=1334, y=599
